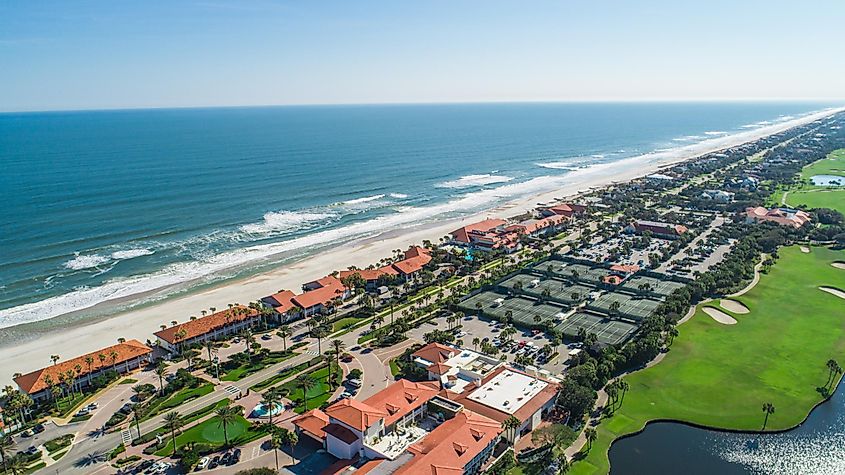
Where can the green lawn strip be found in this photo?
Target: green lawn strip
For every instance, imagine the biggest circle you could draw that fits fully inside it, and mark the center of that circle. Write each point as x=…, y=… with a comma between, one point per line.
x=395, y=370
x=317, y=395
x=58, y=443
x=243, y=371
x=34, y=468
x=178, y=398
x=720, y=375
x=346, y=322
x=59, y=455
x=822, y=198
x=210, y=432
x=128, y=381
x=276, y=378
x=196, y=415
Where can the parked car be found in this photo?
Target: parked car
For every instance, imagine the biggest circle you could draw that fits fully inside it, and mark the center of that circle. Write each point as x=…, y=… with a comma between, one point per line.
x=27, y=433
x=355, y=383
x=82, y=412
x=32, y=450
x=236, y=455
x=203, y=463
x=266, y=336
x=215, y=462
x=39, y=428
x=93, y=406
x=144, y=465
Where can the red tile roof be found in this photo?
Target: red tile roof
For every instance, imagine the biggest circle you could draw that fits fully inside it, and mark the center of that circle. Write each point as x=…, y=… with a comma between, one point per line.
x=462, y=234
x=783, y=217
x=612, y=279
x=284, y=301
x=625, y=268
x=331, y=288
x=203, y=325
x=439, y=368
x=368, y=274
x=355, y=413
x=33, y=382
x=313, y=422
x=401, y=398
x=435, y=352
x=340, y=432
x=452, y=445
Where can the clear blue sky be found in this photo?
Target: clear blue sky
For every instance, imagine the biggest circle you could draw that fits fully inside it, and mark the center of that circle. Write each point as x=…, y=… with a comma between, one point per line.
x=111, y=54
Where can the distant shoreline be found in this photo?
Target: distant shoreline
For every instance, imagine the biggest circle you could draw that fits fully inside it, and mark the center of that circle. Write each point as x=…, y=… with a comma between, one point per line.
x=70, y=336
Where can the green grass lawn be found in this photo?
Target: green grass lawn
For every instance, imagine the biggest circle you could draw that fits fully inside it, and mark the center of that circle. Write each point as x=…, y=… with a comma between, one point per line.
x=259, y=364
x=211, y=432
x=178, y=398
x=320, y=393
x=810, y=196
x=346, y=322
x=720, y=375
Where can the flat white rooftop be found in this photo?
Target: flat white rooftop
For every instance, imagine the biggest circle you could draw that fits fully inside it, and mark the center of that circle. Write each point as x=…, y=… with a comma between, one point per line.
x=508, y=391
x=466, y=364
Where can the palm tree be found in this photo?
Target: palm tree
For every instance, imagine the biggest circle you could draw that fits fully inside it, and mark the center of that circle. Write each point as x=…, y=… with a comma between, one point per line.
x=768, y=409
x=475, y=342
x=17, y=464
x=319, y=333
x=510, y=425
x=284, y=333
x=89, y=360
x=226, y=416
x=276, y=444
x=672, y=332
x=338, y=347
x=306, y=382
x=113, y=355
x=173, y=421
x=55, y=359
x=291, y=439
x=161, y=372
x=270, y=400
x=834, y=369
x=591, y=435
x=137, y=418
x=6, y=444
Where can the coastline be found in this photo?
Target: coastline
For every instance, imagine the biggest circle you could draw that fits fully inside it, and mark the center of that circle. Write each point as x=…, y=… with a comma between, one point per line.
x=80, y=337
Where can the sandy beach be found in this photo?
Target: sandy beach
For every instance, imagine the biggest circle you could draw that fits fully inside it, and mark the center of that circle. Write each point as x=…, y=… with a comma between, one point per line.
x=142, y=322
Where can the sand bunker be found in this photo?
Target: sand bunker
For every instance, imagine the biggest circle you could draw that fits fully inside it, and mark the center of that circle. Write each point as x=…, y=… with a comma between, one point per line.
x=839, y=265
x=733, y=306
x=805, y=249
x=833, y=291
x=719, y=316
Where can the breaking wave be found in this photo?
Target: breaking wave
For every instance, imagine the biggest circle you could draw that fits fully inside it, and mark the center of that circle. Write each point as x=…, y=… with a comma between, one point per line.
x=86, y=262
x=470, y=181
x=280, y=222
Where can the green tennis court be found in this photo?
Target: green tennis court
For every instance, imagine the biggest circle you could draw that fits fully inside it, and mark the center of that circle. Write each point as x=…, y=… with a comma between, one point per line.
x=559, y=290
x=651, y=285
x=630, y=306
x=607, y=331
x=523, y=310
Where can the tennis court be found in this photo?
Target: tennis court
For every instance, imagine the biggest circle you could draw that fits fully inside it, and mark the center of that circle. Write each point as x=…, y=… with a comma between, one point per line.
x=662, y=287
x=630, y=306
x=523, y=310
x=607, y=331
x=559, y=290
x=571, y=270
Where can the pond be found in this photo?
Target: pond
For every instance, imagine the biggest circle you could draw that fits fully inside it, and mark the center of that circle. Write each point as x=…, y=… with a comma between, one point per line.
x=817, y=447
x=827, y=180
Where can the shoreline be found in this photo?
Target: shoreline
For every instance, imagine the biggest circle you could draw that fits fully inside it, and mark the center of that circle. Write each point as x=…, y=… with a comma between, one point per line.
x=80, y=337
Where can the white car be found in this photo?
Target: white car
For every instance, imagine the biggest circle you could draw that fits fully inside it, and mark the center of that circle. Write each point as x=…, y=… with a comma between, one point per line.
x=162, y=467
x=203, y=463
x=356, y=383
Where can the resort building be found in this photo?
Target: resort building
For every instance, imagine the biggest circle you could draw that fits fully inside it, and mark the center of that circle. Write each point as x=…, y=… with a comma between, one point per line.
x=568, y=210
x=122, y=358
x=717, y=196
x=321, y=295
x=487, y=386
x=282, y=303
x=415, y=259
x=538, y=227
x=782, y=216
x=210, y=327
x=486, y=235
x=405, y=428
x=661, y=230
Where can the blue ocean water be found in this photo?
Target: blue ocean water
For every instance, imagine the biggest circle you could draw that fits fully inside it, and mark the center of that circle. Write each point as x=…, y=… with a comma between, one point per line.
x=107, y=205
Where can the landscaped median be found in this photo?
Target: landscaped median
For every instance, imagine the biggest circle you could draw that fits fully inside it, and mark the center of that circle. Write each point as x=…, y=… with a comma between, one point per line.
x=720, y=376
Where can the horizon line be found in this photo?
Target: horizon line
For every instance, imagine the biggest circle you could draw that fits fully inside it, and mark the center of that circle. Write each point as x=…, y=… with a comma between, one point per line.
x=808, y=100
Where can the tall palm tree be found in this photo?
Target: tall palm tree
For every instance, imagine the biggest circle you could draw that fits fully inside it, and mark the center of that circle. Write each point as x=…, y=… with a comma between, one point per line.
x=590, y=434
x=283, y=333
x=306, y=382
x=510, y=425
x=291, y=439
x=173, y=421
x=276, y=444
x=338, y=346
x=319, y=332
x=6, y=444
x=113, y=355
x=89, y=360
x=55, y=359
x=17, y=464
x=270, y=400
x=161, y=372
x=768, y=409
x=226, y=415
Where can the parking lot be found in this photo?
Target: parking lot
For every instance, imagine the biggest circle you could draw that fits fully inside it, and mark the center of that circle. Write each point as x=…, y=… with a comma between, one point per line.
x=474, y=327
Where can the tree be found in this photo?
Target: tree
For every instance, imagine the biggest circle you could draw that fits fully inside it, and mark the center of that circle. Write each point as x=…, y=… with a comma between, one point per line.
x=833, y=370
x=55, y=359
x=338, y=346
x=113, y=356
x=173, y=421
x=290, y=438
x=6, y=445
x=283, y=333
x=276, y=445
x=319, y=332
x=161, y=372
x=768, y=409
x=270, y=401
x=590, y=434
x=475, y=342
x=226, y=415
x=306, y=382
x=510, y=425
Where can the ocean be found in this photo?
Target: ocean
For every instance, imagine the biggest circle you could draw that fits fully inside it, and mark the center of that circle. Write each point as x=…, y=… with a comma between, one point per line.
x=140, y=205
